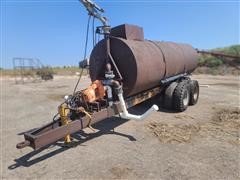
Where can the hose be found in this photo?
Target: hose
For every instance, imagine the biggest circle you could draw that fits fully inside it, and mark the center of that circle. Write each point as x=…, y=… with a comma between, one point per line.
x=93, y=32
x=85, y=53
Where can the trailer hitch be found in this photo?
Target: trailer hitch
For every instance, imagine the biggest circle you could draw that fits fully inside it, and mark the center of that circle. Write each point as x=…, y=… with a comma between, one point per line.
x=23, y=144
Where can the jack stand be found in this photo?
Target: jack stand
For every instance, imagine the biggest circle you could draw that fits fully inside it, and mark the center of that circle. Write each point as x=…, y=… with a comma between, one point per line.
x=63, y=110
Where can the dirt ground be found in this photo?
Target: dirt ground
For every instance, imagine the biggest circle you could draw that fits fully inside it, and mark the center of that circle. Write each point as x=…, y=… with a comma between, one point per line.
x=200, y=143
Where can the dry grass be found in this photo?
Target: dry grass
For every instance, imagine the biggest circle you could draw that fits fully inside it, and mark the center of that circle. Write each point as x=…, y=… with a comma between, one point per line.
x=68, y=71
x=221, y=70
x=173, y=133
x=224, y=126
x=120, y=172
x=228, y=115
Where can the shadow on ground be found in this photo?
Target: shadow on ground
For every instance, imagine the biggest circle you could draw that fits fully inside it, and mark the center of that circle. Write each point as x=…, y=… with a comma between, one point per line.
x=104, y=127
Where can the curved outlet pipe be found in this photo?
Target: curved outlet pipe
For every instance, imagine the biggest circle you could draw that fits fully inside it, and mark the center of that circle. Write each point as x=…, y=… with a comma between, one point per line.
x=125, y=114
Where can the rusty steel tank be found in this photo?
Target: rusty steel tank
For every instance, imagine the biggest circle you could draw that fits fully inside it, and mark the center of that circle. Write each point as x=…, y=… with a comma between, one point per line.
x=142, y=63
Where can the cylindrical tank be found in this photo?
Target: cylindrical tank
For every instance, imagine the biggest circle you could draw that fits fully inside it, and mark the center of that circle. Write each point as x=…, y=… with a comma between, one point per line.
x=143, y=64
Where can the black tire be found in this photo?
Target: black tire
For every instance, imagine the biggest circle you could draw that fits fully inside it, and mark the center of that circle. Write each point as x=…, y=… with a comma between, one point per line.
x=181, y=96
x=194, y=92
x=168, y=95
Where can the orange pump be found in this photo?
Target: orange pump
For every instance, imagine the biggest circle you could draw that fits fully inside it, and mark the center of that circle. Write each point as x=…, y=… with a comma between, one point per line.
x=94, y=92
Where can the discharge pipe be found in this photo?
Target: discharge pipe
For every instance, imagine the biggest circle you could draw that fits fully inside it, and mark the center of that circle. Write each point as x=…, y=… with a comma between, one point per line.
x=125, y=114
x=119, y=91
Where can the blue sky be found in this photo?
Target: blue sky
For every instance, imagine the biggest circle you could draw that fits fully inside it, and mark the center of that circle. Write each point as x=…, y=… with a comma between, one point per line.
x=54, y=31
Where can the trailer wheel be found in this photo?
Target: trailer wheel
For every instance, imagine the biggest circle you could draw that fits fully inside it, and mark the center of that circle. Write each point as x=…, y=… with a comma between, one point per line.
x=194, y=92
x=181, y=96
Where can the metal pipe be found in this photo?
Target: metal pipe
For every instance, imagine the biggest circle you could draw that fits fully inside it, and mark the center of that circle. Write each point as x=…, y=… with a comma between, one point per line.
x=173, y=78
x=215, y=53
x=125, y=114
x=93, y=9
x=109, y=94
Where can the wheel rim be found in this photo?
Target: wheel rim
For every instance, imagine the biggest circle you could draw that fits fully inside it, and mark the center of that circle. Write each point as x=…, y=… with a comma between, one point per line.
x=195, y=95
x=186, y=99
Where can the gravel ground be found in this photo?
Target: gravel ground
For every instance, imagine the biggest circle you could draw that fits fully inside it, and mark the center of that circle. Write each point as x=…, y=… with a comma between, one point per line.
x=200, y=143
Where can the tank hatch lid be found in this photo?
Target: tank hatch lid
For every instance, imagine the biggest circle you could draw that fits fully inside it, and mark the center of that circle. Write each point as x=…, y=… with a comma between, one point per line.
x=129, y=32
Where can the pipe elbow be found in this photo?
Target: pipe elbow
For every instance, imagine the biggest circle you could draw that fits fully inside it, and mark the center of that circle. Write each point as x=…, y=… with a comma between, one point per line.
x=125, y=114
x=116, y=84
x=140, y=117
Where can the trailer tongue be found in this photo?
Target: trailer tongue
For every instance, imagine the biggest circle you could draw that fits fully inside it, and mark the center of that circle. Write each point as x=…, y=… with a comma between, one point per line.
x=72, y=120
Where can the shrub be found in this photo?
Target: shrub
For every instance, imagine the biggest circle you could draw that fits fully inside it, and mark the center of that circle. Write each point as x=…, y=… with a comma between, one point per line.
x=46, y=73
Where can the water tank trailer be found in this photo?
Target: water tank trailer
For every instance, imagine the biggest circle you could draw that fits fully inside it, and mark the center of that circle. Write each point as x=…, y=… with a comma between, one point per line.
x=125, y=70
